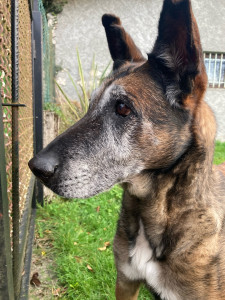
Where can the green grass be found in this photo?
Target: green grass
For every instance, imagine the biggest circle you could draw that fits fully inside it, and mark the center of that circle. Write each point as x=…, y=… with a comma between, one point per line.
x=219, y=155
x=76, y=230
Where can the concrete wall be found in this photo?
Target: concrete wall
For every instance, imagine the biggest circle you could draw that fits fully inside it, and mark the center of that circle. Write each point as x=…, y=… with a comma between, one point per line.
x=79, y=26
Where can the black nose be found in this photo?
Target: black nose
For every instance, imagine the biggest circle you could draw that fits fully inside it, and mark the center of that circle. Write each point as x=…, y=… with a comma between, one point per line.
x=44, y=166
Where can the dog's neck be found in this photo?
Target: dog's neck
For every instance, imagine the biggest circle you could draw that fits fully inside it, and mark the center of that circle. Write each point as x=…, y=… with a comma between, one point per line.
x=187, y=179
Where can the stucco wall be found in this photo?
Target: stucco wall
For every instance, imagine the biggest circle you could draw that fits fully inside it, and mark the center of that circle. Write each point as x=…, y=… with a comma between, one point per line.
x=79, y=26
x=216, y=99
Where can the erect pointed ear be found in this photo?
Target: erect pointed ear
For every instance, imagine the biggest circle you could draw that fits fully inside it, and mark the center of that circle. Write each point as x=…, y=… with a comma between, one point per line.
x=178, y=50
x=121, y=46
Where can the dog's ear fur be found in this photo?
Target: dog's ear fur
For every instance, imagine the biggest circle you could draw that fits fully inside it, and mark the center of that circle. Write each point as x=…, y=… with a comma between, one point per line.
x=121, y=46
x=178, y=51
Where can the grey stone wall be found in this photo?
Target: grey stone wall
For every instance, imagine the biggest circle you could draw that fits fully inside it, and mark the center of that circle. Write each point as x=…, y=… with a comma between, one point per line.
x=79, y=27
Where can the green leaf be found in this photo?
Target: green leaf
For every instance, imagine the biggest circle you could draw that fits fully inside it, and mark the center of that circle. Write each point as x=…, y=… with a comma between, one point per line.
x=72, y=107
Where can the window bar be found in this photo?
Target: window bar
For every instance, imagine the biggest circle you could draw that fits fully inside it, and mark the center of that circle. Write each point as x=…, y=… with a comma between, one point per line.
x=221, y=62
x=209, y=67
x=214, y=70
x=223, y=76
x=204, y=56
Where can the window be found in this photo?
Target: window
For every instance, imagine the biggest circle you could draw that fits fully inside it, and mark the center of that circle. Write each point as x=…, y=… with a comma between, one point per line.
x=215, y=68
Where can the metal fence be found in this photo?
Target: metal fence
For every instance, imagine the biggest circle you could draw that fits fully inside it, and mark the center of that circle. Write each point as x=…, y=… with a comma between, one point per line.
x=21, y=104
x=48, y=58
x=215, y=68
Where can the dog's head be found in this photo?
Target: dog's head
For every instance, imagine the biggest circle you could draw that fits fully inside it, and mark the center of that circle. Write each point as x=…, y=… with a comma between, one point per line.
x=140, y=118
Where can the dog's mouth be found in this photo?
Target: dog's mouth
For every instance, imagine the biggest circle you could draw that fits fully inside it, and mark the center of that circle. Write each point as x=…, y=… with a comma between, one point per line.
x=78, y=180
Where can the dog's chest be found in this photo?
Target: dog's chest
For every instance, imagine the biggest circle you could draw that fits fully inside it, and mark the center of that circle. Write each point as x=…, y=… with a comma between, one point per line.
x=142, y=266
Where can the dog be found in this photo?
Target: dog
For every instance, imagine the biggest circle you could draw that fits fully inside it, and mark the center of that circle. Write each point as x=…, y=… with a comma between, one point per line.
x=149, y=129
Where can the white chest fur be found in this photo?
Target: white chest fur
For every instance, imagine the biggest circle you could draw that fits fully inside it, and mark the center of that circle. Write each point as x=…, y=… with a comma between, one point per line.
x=143, y=267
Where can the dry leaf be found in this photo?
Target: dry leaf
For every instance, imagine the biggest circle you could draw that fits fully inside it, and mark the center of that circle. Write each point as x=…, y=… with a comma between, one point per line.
x=34, y=280
x=102, y=248
x=90, y=268
x=98, y=209
x=56, y=292
x=78, y=258
x=106, y=244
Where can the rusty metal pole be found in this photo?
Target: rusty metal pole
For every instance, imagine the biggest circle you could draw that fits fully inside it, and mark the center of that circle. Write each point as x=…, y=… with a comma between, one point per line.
x=15, y=146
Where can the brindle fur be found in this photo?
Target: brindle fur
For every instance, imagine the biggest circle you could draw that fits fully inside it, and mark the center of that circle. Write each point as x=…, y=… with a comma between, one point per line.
x=173, y=207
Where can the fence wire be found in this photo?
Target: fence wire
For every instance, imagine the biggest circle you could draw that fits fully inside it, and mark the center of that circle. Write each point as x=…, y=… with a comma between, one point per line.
x=6, y=86
x=25, y=97
x=48, y=58
x=25, y=94
x=18, y=74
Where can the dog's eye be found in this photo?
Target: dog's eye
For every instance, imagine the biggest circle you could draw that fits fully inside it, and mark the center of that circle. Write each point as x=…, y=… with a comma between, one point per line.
x=122, y=109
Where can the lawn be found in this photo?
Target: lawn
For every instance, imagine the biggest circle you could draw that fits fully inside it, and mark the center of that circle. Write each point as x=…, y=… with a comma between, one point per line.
x=79, y=235
x=219, y=155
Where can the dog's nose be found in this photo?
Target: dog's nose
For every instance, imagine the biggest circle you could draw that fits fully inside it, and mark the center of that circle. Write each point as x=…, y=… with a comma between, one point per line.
x=44, y=166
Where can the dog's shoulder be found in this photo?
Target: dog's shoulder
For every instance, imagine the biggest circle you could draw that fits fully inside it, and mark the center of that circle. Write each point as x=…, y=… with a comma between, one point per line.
x=221, y=168
x=218, y=183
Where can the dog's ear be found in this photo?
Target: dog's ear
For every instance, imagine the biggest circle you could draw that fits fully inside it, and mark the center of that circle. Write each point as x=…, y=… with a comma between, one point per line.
x=121, y=46
x=178, y=51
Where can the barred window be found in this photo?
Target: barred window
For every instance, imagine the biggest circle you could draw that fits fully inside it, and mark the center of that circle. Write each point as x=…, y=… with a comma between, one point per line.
x=215, y=68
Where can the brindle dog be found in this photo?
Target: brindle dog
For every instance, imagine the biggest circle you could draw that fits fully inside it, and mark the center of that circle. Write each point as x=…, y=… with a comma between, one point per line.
x=149, y=129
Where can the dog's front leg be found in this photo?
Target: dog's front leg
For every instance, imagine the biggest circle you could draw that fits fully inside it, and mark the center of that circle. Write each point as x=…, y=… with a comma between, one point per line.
x=126, y=290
